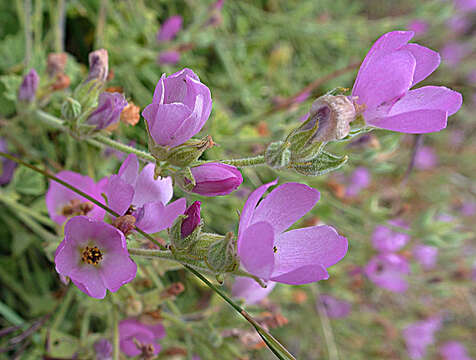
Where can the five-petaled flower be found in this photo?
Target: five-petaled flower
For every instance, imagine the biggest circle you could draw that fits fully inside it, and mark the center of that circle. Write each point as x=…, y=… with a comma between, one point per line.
x=383, y=84
x=136, y=338
x=140, y=195
x=94, y=256
x=297, y=256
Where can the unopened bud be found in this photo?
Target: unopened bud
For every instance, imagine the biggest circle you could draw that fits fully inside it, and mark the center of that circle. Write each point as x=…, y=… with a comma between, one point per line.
x=215, y=179
x=71, y=109
x=222, y=255
x=278, y=155
x=62, y=81
x=185, y=154
x=187, y=228
x=108, y=110
x=124, y=223
x=27, y=90
x=98, y=65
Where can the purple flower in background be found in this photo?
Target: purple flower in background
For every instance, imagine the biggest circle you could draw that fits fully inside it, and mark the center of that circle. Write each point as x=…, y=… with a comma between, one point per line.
x=465, y=5
x=94, y=256
x=386, y=240
x=193, y=219
x=419, y=27
x=249, y=290
x=419, y=335
x=426, y=256
x=170, y=28
x=335, y=308
x=389, y=70
x=458, y=23
x=297, y=256
x=454, y=52
x=473, y=272
x=103, y=349
x=27, y=90
x=214, y=179
x=179, y=109
x=425, y=158
x=388, y=271
x=359, y=180
x=454, y=350
x=170, y=57
x=133, y=333
x=138, y=194
x=7, y=166
x=108, y=111
x=63, y=203
x=468, y=208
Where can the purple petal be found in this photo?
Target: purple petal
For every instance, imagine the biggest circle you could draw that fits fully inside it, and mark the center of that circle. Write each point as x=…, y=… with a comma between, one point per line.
x=249, y=290
x=388, y=271
x=387, y=240
x=158, y=217
x=427, y=61
x=117, y=269
x=119, y=194
x=250, y=206
x=426, y=256
x=215, y=179
x=149, y=190
x=414, y=122
x=255, y=249
x=171, y=57
x=316, y=246
x=454, y=350
x=335, y=308
x=167, y=119
x=419, y=335
x=159, y=92
x=129, y=169
x=302, y=275
x=285, y=205
x=170, y=28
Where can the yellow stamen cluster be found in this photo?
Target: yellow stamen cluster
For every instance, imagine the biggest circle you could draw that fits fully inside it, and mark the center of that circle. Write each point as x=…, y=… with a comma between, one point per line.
x=91, y=255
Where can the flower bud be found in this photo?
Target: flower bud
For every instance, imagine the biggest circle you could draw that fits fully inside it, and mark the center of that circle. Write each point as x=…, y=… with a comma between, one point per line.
x=222, y=255
x=28, y=87
x=169, y=28
x=98, y=65
x=71, y=109
x=185, y=154
x=187, y=228
x=170, y=57
x=56, y=64
x=179, y=109
x=193, y=219
x=214, y=179
x=108, y=110
x=278, y=155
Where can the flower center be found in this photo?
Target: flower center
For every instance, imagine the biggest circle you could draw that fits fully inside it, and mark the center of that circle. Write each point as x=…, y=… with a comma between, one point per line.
x=76, y=207
x=91, y=255
x=275, y=249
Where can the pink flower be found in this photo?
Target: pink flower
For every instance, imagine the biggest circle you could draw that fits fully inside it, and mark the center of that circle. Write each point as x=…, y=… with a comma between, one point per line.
x=335, y=308
x=170, y=28
x=27, y=90
x=138, y=194
x=7, y=166
x=425, y=158
x=419, y=335
x=103, y=349
x=419, y=27
x=388, y=271
x=133, y=333
x=359, y=180
x=108, y=110
x=215, y=179
x=179, y=109
x=297, y=256
x=94, y=256
x=63, y=203
x=192, y=220
x=454, y=350
x=454, y=52
x=387, y=240
x=383, y=84
x=170, y=57
x=249, y=290
x=426, y=256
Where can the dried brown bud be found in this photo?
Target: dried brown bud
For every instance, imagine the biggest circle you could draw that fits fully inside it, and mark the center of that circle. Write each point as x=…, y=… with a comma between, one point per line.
x=131, y=114
x=98, y=65
x=124, y=223
x=173, y=290
x=272, y=320
x=56, y=64
x=62, y=81
x=334, y=114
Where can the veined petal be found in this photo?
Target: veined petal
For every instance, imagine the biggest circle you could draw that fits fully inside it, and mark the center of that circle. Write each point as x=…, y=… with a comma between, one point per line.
x=413, y=122
x=117, y=270
x=248, y=289
x=129, y=169
x=158, y=217
x=149, y=190
x=427, y=61
x=302, y=275
x=159, y=92
x=168, y=118
x=119, y=194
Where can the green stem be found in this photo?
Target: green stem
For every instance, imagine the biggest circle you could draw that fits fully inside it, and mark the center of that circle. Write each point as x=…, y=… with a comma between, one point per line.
x=27, y=25
x=99, y=43
x=79, y=192
x=152, y=253
x=251, y=161
x=24, y=209
x=115, y=337
x=60, y=314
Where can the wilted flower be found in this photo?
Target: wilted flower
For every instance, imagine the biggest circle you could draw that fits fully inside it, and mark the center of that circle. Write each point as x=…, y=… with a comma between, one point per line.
x=98, y=65
x=359, y=180
x=138, y=194
x=131, y=114
x=7, y=166
x=63, y=203
x=170, y=57
x=56, y=63
x=389, y=70
x=170, y=28
x=387, y=240
x=94, y=256
x=454, y=350
x=419, y=335
x=27, y=90
x=215, y=179
x=419, y=27
x=426, y=255
x=192, y=220
x=425, y=158
x=249, y=290
x=103, y=349
x=135, y=338
x=297, y=256
x=388, y=271
x=180, y=107
x=108, y=110
x=335, y=308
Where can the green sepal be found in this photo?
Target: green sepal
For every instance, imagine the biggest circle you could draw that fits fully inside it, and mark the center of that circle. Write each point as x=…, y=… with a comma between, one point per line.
x=71, y=109
x=175, y=234
x=320, y=165
x=278, y=155
x=222, y=255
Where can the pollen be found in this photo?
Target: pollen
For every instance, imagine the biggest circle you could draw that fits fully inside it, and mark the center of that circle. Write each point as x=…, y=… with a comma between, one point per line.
x=275, y=249
x=91, y=255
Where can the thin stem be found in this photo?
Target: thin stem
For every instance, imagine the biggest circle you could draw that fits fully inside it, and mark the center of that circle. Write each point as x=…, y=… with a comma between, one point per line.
x=99, y=43
x=167, y=255
x=115, y=337
x=251, y=161
x=326, y=326
x=59, y=28
x=79, y=192
x=27, y=26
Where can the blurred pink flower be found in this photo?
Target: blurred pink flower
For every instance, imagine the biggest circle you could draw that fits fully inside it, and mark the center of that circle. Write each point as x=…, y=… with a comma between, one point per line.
x=249, y=290
x=386, y=240
x=454, y=350
x=426, y=158
x=170, y=28
x=388, y=271
x=426, y=255
x=359, y=180
x=419, y=335
x=335, y=308
x=418, y=26
x=133, y=333
x=454, y=52
x=170, y=57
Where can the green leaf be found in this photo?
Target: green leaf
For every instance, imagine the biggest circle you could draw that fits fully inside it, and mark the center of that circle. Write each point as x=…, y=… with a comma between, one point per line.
x=28, y=182
x=320, y=165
